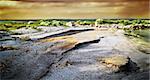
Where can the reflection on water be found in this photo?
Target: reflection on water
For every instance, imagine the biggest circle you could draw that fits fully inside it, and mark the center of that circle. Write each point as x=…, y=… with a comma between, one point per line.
x=103, y=9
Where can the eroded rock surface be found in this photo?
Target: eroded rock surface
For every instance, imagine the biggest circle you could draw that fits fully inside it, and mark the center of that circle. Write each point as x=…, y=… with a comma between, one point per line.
x=25, y=31
x=82, y=64
x=34, y=59
x=60, y=32
x=74, y=57
x=118, y=63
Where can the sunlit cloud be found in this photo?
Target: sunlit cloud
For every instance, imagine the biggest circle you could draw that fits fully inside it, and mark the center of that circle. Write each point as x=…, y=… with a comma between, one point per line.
x=78, y=9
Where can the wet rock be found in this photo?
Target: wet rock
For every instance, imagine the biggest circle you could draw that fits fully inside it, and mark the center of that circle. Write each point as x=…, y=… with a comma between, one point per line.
x=3, y=48
x=25, y=38
x=112, y=76
x=144, y=49
x=27, y=63
x=142, y=75
x=35, y=59
x=3, y=33
x=6, y=38
x=3, y=67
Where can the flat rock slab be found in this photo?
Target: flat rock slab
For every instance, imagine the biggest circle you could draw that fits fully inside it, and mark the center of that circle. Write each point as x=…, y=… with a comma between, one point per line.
x=87, y=36
x=25, y=31
x=50, y=28
x=82, y=64
x=41, y=35
x=142, y=75
x=79, y=37
x=34, y=59
x=53, y=58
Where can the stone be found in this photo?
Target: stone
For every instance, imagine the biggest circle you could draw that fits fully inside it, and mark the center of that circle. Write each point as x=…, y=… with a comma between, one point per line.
x=118, y=63
x=25, y=31
x=2, y=67
x=141, y=75
x=144, y=49
x=117, y=60
x=62, y=43
x=70, y=24
x=41, y=35
x=50, y=28
x=3, y=48
x=25, y=38
x=35, y=59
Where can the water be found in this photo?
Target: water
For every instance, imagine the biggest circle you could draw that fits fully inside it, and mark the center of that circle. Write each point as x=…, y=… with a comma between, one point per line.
x=145, y=34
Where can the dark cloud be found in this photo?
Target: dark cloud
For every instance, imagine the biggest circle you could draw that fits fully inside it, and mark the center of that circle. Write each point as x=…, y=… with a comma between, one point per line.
x=136, y=9
x=76, y=9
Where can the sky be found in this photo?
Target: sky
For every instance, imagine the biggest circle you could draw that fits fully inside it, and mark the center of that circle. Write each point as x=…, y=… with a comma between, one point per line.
x=74, y=9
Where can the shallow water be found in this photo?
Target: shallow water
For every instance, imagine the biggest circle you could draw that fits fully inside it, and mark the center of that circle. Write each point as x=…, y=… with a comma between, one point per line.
x=145, y=34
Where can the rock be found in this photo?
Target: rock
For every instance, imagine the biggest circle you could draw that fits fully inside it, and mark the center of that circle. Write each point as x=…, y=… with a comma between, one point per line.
x=61, y=32
x=90, y=36
x=6, y=38
x=50, y=28
x=3, y=33
x=62, y=38
x=25, y=38
x=10, y=42
x=141, y=75
x=117, y=60
x=118, y=63
x=3, y=48
x=25, y=31
x=70, y=24
x=34, y=60
x=63, y=43
x=128, y=26
x=3, y=67
x=65, y=32
x=30, y=62
x=144, y=49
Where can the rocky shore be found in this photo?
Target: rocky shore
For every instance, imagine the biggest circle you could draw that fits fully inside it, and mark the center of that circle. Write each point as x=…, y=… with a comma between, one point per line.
x=77, y=53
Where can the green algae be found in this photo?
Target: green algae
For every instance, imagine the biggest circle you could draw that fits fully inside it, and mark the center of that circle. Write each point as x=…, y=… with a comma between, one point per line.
x=141, y=39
